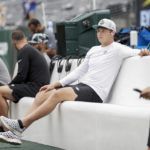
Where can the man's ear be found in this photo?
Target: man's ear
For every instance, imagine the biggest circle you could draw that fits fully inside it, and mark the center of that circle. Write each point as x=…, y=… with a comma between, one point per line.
x=113, y=33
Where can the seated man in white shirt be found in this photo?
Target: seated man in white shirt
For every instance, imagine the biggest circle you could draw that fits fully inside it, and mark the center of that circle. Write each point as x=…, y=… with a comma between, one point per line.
x=97, y=74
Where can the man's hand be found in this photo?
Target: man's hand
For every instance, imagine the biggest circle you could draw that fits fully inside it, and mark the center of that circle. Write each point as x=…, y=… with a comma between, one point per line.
x=144, y=52
x=50, y=87
x=145, y=93
x=47, y=87
x=51, y=52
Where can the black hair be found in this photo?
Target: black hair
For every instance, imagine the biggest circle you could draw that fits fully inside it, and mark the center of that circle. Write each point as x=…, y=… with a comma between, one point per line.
x=35, y=22
x=17, y=35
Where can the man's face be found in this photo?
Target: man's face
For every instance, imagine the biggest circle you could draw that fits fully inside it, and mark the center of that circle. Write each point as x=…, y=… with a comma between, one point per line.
x=37, y=46
x=104, y=35
x=40, y=46
x=33, y=28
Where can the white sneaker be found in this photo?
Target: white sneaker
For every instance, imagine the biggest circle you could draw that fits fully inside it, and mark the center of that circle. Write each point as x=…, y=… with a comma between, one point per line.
x=10, y=137
x=12, y=125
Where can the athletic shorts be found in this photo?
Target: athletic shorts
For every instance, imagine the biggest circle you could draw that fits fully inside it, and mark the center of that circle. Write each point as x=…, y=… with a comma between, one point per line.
x=85, y=93
x=22, y=90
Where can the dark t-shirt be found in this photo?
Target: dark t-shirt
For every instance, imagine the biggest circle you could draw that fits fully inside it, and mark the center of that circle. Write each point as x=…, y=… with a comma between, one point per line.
x=32, y=68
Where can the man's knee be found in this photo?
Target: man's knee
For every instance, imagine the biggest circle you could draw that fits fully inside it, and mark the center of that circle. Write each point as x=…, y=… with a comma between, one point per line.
x=42, y=96
x=4, y=89
x=1, y=90
x=38, y=95
x=57, y=96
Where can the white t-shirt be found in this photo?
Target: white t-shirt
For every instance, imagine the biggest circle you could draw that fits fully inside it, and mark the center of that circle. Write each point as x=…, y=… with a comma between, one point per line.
x=100, y=67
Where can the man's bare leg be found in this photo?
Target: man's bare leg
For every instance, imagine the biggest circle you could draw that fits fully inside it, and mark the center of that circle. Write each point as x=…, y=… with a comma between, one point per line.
x=57, y=96
x=39, y=99
x=3, y=106
x=5, y=93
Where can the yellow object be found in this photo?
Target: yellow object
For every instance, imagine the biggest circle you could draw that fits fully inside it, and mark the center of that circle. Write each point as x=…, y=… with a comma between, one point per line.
x=146, y=3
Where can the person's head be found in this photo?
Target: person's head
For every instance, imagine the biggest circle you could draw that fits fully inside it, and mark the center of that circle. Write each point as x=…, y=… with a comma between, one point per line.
x=18, y=39
x=39, y=41
x=35, y=25
x=106, y=30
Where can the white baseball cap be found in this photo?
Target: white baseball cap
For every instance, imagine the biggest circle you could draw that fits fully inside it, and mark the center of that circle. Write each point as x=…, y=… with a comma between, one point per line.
x=106, y=23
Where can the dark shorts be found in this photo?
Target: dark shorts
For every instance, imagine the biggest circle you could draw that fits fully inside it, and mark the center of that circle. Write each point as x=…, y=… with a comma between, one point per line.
x=22, y=90
x=85, y=93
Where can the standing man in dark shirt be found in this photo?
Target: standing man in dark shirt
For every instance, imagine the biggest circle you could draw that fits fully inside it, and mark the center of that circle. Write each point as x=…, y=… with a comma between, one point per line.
x=32, y=73
x=36, y=27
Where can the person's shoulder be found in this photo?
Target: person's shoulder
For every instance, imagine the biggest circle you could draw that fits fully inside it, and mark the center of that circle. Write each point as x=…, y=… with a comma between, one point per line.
x=30, y=51
x=27, y=49
x=93, y=49
x=119, y=45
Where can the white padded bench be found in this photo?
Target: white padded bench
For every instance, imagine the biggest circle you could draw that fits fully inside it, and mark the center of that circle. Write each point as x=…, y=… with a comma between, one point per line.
x=122, y=123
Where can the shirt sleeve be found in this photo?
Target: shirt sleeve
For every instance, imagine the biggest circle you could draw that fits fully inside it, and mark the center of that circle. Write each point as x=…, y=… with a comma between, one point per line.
x=125, y=51
x=77, y=73
x=23, y=68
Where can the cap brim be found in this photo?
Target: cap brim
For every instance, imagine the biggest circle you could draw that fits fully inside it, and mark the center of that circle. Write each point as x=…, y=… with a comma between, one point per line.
x=46, y=41
x=96, y=27
x=32, y=42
